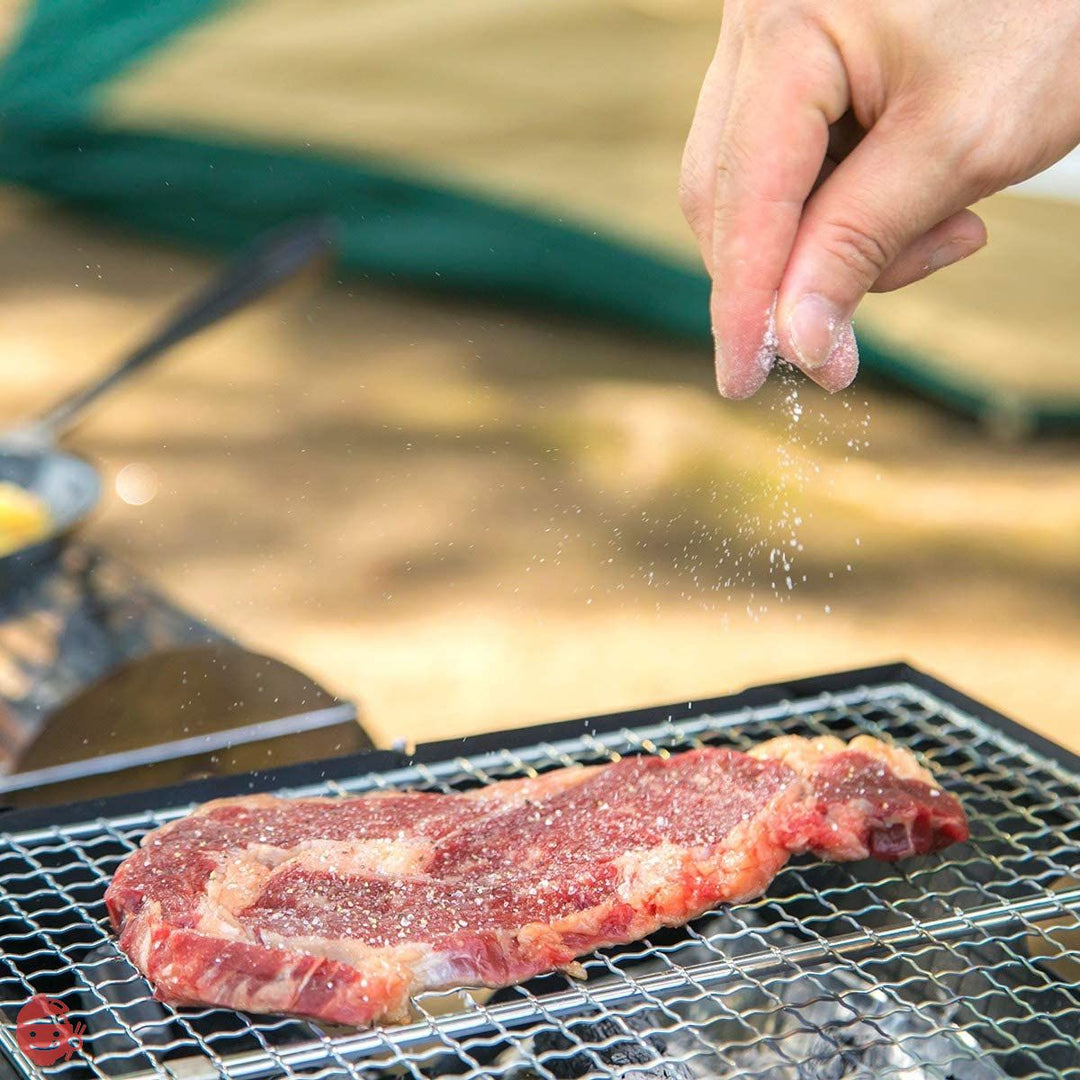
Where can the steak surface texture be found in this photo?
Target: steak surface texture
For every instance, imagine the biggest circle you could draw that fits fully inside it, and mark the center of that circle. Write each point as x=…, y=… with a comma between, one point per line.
x=339, y=909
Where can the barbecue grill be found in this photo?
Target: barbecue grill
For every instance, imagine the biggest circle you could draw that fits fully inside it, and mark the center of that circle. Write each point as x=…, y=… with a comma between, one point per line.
x=963, y=964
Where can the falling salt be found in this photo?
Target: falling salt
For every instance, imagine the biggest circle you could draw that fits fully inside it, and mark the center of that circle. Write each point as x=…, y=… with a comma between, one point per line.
x=748, y=550
x=770, y=343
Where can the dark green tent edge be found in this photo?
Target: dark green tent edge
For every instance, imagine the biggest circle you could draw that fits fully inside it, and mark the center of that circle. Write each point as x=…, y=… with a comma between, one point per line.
x=403, y=228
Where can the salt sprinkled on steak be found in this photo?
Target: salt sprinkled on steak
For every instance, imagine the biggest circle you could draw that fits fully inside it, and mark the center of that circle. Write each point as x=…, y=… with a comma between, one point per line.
x=340, y=909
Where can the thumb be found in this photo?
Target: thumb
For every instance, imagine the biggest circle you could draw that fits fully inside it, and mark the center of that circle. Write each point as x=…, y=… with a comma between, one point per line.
x=890, y=191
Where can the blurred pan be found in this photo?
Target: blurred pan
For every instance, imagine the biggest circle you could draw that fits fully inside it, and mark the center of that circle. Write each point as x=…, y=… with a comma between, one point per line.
x=70, y=487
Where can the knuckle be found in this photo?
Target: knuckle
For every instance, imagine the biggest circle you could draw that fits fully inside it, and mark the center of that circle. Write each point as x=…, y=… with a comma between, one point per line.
x=700, y=184
x=984, y=170
x=768, y=20
x=730, y=174
x=978, y=156
x=692, y=197
x=858, y=250
x=734, y=164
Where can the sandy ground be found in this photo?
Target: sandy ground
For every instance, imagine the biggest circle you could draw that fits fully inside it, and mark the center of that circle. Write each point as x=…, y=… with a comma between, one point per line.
x=472, y=518
x=463, y=93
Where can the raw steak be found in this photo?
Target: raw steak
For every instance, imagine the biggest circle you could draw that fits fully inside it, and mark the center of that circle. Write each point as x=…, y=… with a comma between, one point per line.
x=339, y=909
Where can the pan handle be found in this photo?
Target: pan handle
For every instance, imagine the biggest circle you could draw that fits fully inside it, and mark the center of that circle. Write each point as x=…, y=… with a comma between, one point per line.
x=273, y=258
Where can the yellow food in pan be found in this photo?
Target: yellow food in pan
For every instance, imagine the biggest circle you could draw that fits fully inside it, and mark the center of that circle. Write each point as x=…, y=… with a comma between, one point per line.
x=24, y=518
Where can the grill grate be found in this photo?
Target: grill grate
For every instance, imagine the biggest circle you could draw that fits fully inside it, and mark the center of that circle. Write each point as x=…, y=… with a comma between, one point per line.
x=961, y=964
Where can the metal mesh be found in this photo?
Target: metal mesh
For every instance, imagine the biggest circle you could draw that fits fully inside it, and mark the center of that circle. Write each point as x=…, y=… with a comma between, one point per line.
x=962, y=964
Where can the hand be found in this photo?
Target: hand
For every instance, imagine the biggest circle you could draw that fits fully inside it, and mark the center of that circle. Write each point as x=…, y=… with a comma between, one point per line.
x=836, y=146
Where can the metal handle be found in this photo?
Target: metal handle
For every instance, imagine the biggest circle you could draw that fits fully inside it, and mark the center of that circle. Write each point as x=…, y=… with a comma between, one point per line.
x=273, y=258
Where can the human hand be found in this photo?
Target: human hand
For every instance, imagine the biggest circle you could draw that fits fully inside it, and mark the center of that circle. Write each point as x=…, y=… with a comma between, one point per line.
x=836, y=146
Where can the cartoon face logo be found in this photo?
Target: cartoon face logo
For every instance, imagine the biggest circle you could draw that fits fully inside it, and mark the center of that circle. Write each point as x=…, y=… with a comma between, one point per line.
x=44, y=1032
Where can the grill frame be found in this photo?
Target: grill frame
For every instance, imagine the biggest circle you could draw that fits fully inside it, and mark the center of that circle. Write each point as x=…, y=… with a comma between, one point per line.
x=565, y=1008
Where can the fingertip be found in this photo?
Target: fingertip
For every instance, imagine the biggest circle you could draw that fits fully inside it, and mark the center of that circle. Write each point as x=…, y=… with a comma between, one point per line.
x=970, y=226
x=815, y=335
x=957, y=237
x=740, y=384
x=812, y=328
x=745, y=347
x=839, y=371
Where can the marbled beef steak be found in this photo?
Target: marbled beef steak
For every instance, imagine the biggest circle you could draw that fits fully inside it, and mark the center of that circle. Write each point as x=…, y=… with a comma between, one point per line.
x=339, y=909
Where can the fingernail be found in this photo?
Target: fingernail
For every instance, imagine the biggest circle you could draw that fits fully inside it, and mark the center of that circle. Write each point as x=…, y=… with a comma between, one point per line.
x=814, y=325
x=729, y=384
x=843, y=362
x=949, y=253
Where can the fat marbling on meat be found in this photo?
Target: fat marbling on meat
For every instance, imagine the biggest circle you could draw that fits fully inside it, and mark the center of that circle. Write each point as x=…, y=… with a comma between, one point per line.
x=339, y=909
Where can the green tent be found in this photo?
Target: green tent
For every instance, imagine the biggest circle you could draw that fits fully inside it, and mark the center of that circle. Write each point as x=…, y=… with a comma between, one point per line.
x=524, y=151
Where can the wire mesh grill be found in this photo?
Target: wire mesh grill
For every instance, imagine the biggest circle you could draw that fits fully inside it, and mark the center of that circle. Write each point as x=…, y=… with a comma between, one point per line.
x=962, y=964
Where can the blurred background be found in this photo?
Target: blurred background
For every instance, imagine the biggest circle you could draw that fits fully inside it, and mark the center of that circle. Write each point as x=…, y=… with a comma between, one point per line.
x=478, y=475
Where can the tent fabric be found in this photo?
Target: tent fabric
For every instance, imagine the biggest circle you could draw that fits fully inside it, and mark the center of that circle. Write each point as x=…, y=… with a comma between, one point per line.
x=525, y=151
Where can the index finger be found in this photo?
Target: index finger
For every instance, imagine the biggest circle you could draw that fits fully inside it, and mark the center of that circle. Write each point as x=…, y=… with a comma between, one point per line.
x=772, y=150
